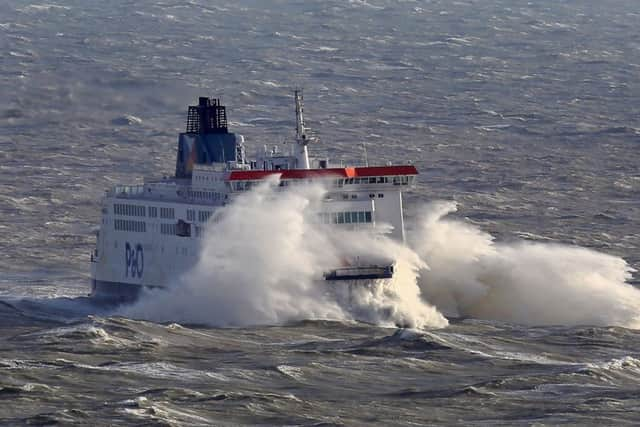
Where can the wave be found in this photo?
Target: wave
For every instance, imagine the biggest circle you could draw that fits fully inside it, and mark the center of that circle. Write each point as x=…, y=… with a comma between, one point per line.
x=261, y=260
x=263, y=254
x=529, y=283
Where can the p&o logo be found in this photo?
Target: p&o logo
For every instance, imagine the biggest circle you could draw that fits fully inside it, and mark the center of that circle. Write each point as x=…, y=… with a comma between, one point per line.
x=134, y=260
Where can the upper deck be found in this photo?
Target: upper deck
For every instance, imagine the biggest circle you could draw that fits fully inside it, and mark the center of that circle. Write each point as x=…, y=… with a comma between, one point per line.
x=210, y=185
x=211, y=164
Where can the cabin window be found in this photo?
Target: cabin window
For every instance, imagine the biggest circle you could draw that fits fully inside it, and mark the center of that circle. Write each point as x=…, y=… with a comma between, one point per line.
x=380, y=195
x=372, y=180
x=128, y=225
x=128, y=210
x=169, y=229
x=203, y=216
x=351, y=217
x=167, y=213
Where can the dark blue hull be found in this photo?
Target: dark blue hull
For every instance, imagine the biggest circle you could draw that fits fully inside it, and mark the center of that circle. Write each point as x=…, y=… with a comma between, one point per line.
x=116, y=291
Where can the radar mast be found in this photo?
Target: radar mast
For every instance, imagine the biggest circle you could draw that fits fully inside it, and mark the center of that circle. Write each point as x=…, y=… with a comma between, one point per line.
x=302, y=155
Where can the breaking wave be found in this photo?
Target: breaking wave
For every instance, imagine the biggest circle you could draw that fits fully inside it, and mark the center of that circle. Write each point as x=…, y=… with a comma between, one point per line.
x=530, y=283
x=260, y=263
x=262, y=257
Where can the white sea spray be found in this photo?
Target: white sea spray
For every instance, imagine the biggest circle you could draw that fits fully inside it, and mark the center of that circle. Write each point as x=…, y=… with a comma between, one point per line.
x=262, y=262
x=524, y=282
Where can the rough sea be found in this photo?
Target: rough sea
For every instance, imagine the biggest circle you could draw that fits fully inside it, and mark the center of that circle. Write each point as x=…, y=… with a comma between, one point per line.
x=523, y=118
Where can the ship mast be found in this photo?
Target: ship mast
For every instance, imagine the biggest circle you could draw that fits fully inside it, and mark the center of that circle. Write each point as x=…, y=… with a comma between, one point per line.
x=302, y=155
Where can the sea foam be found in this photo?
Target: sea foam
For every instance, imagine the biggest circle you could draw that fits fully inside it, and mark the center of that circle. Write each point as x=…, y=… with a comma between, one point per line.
x=261, y=261
x=263, y=256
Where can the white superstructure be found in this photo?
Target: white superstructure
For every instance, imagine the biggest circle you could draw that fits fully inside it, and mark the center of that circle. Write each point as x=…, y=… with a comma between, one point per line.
x=150, y=233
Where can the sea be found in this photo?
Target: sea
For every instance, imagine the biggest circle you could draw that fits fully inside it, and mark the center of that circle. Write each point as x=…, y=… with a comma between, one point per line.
x=519, y=303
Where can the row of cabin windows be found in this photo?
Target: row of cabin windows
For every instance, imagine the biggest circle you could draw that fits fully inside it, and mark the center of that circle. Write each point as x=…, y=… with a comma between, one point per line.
x=360, y=217
x=205, y=178
x=135, y=210
x=395, y=180
x=182, y=229
x=345, y=196
x=167, y=213
x=127, y=225
x=128, y=210
x=168, y=229
x=205, y=195
x=203, y=216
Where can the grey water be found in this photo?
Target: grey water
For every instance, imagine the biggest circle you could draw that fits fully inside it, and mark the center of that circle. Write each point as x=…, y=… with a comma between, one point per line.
x=525, y=114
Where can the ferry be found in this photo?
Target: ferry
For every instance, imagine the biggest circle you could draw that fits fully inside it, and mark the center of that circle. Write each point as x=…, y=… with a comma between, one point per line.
x=152, y=233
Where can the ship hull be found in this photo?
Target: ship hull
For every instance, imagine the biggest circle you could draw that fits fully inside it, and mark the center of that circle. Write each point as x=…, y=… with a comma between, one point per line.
x=117, y=291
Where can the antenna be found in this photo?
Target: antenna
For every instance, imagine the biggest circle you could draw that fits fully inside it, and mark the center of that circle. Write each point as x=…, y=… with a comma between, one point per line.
x=302, y=156
x=300, y=129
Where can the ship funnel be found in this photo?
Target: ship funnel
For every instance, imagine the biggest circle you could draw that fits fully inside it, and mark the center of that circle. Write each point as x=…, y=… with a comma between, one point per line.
x=209, y=116
x=207, y=139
